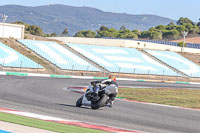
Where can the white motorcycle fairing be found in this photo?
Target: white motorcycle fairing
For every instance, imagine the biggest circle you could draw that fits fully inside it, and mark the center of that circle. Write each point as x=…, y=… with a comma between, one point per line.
x=85, y=101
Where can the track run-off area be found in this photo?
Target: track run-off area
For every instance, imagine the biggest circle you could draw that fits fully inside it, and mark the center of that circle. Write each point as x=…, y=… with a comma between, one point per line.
x=46, y=96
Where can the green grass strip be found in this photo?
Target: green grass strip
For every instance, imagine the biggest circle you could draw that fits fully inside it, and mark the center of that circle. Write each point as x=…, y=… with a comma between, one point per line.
x=179, y=82
x=120, y=97
x=100, y=78
x=141, y=80
x=60, y=76
x=46, y=125
x=189, y=98
x=17, y=74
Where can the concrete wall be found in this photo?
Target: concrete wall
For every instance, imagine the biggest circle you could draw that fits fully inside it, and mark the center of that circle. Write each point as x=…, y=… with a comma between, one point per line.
x=125, y=43
x=11, y=30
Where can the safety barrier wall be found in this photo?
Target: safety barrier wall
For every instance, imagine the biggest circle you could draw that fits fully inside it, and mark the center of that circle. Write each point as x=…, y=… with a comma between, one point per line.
x=125, y=43
x=89, y=77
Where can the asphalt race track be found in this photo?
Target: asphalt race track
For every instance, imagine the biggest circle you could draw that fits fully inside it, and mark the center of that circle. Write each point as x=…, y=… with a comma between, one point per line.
x=46, y=96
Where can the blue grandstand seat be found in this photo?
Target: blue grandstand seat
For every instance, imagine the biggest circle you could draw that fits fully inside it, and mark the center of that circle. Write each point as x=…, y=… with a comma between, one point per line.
x=58, y=55
x=177, y=61
x=117, y=59
x=11, y=58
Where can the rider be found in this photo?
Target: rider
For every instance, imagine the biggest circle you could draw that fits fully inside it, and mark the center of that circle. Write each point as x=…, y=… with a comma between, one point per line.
x=110, y=80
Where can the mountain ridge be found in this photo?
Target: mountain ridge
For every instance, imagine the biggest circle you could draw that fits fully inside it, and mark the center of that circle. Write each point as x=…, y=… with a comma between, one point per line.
x=55, y=18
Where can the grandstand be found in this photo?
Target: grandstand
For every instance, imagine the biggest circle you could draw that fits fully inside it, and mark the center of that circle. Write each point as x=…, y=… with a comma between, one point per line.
x=58, y=55
x=124, y=60
x=11, y=58
x=177, y=61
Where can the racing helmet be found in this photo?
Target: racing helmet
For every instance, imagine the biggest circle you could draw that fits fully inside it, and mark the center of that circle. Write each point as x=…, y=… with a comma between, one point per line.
x=112, y=77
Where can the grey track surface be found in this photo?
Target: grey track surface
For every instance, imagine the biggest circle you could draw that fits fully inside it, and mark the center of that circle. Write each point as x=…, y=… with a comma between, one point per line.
x=46, y=96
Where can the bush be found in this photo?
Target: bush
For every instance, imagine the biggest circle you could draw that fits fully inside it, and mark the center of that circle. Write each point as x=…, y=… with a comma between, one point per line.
x=180, y=44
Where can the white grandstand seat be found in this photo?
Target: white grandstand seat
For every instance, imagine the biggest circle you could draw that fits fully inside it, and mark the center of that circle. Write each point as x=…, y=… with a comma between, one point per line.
x=117, y=59
x=58, y=55
x=11, y=58
x=177, y=61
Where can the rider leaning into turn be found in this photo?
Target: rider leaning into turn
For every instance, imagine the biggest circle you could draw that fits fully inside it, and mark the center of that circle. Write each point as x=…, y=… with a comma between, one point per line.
x=109, y=81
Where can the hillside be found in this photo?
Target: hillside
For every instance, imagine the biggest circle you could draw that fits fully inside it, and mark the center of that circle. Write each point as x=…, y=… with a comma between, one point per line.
x=54, y=18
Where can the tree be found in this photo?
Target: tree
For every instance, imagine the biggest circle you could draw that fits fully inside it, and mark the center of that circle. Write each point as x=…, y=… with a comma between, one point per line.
x=144, y=35
x=125, y=33
x=160, y=27
x=65, y=32
x=180, y=28
x=103, y=28
x=198, y=24
x=137, y=32
x=171, y=23
x=32, y=29
x=89, y=34
x=180, y=44
x=170, y=34
x=154, y=35
x=171, y=27
x=51, y=34
x=122, y=28
x=110, y=33
x=182, y=21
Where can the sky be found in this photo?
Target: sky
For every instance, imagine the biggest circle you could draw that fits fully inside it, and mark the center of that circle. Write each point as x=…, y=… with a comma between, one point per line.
x=173, y=9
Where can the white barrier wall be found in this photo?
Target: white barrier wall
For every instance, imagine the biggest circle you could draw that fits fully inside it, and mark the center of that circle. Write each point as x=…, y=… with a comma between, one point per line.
x=125, y=43
x=11, y=30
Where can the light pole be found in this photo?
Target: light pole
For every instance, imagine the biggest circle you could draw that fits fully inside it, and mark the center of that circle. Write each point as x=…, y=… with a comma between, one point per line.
x=184, y=35
x=4, y=18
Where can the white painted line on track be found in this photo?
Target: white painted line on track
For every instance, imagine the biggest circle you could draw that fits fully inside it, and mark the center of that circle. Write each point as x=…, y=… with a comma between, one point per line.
x=69, y=122
x=87, y=77
x=2, y=73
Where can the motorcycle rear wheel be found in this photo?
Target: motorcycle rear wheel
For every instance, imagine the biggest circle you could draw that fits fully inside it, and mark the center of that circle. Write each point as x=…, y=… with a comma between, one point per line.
x=100, y=103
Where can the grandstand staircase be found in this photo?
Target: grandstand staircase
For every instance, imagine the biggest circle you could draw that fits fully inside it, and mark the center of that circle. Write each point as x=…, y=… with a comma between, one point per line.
x=11, y=42
x=163, y=63
x=84, y=58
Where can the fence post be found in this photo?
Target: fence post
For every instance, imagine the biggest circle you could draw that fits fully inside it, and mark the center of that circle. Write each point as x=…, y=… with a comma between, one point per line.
x=21, y=66
x=3, y=64
x=104, y=71
x=148, y=73
x=119, y=72
x=72, y=69
x=38, y=67
x=163, y=74
x=54, y=68
x=133, y=72
x=177, y=76
x=88, y=68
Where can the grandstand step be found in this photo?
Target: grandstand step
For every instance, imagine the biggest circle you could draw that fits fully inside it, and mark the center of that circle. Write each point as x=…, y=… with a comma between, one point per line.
x=86, y=59
x=165, y=64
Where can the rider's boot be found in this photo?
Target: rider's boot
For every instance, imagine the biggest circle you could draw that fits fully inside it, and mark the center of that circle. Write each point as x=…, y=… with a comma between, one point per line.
x=110, y=102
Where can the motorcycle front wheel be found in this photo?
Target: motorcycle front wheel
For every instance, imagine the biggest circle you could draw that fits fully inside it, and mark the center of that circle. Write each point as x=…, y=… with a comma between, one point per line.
x=100, y=103
x=79, y=102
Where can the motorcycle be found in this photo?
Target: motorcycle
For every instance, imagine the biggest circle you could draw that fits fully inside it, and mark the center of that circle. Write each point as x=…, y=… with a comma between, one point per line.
x=98, y=95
